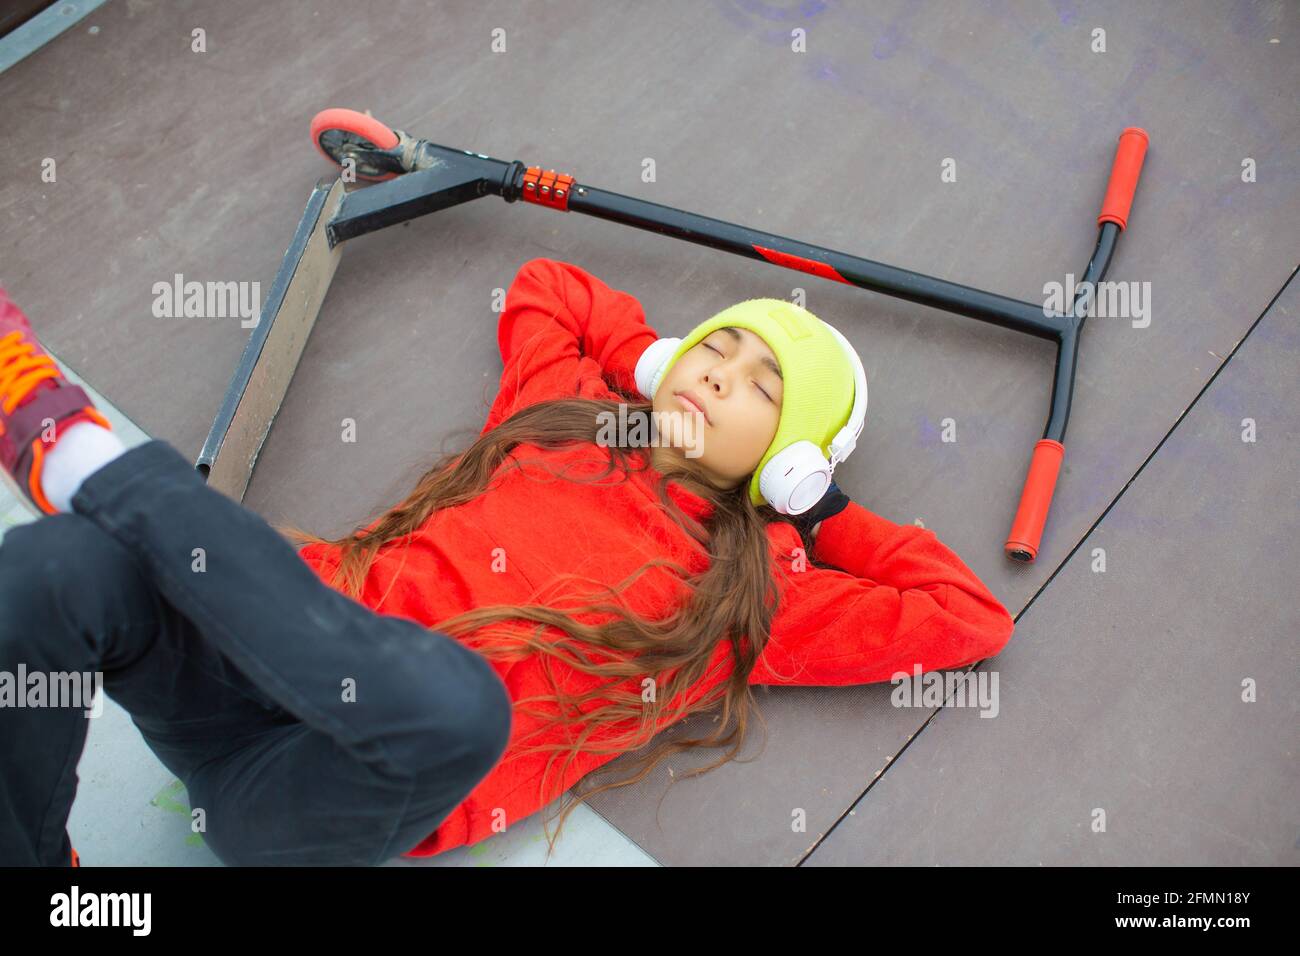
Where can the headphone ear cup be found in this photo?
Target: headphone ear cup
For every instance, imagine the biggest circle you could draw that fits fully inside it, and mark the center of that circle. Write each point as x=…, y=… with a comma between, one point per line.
x=795, y=478
x=653, y=364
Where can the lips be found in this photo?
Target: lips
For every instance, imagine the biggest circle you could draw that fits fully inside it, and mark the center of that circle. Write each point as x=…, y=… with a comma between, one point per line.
x=692, y=399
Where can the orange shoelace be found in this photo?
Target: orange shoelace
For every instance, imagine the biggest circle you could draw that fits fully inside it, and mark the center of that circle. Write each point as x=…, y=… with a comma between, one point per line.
x=20, y=370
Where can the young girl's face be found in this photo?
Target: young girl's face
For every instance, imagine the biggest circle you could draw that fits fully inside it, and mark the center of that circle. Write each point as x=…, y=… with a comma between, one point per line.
x=735, y=375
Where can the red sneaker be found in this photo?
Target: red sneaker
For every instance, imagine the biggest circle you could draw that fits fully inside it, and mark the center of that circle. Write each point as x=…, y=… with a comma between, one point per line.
x=33, y=392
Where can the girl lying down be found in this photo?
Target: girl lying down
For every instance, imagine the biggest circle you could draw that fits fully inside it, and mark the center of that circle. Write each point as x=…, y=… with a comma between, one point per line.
x=538, y=605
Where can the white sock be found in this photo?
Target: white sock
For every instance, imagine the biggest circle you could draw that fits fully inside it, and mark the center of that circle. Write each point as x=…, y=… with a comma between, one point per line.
x=80, y=451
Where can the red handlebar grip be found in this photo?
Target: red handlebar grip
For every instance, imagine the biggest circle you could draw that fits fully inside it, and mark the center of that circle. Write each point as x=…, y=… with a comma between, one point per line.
x=1035, y=500
x=1124, y=171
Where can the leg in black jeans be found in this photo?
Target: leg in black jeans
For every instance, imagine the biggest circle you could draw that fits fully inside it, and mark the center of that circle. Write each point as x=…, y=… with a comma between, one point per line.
x=235, y=671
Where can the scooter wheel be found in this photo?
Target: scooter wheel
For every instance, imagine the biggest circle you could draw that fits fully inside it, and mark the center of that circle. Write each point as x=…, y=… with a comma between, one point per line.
x=341, y=134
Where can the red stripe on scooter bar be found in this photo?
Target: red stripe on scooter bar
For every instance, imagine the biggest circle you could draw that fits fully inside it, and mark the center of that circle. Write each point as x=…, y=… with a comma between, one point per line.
x=812, y=266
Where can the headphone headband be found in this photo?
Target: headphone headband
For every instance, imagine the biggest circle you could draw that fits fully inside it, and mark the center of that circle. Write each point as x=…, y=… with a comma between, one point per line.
x=846, y=439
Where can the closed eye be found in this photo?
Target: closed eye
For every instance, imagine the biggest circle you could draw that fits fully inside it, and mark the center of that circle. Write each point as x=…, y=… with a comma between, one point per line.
x=756, y=385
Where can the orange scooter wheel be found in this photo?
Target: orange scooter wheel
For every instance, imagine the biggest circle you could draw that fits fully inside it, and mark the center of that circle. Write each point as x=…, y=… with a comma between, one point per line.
x=342, y=134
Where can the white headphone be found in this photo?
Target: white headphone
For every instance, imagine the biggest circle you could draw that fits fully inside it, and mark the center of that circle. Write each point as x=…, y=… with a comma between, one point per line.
x=796, y=477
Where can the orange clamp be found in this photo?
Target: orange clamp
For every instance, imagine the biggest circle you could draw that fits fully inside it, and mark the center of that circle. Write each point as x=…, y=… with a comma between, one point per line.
x=548, y=188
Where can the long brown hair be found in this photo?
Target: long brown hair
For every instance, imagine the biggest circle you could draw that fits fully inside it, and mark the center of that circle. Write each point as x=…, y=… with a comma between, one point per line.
x=733, y=600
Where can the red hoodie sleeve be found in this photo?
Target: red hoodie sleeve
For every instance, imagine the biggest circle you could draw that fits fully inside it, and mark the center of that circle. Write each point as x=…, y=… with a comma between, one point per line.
x=903, y=598
x=561, y=332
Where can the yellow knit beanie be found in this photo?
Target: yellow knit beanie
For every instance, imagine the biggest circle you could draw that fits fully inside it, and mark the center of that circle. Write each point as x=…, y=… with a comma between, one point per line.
x=817, y=374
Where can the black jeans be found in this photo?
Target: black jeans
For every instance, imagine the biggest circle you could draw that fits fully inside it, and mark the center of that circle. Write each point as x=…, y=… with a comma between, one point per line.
x=308, y=728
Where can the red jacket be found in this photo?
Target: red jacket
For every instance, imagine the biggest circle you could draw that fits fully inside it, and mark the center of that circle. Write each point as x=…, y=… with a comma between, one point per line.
x=902, y=598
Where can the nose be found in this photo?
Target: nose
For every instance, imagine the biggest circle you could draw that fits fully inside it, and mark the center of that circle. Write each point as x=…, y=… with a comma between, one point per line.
x=715, y=380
